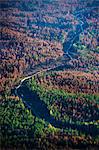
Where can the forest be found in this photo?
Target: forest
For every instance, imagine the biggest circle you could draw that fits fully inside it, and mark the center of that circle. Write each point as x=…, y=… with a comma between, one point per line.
x=49, y=75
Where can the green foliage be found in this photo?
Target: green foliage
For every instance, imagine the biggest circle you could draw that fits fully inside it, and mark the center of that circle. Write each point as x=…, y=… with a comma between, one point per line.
x=15, y=114
x=51, y=96
x=19, y=125
x=39, y=128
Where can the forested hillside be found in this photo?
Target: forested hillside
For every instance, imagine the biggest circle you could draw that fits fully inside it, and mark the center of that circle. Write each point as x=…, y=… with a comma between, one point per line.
x=49, y=75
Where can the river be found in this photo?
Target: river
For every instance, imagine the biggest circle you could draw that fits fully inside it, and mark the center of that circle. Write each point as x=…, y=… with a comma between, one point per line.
x=32, y=100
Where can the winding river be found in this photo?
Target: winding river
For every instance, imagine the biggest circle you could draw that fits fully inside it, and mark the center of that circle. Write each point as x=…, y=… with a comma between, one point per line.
x=32, y=100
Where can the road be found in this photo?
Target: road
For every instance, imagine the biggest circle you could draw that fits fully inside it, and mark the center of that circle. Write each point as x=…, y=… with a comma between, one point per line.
x=36, y=73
